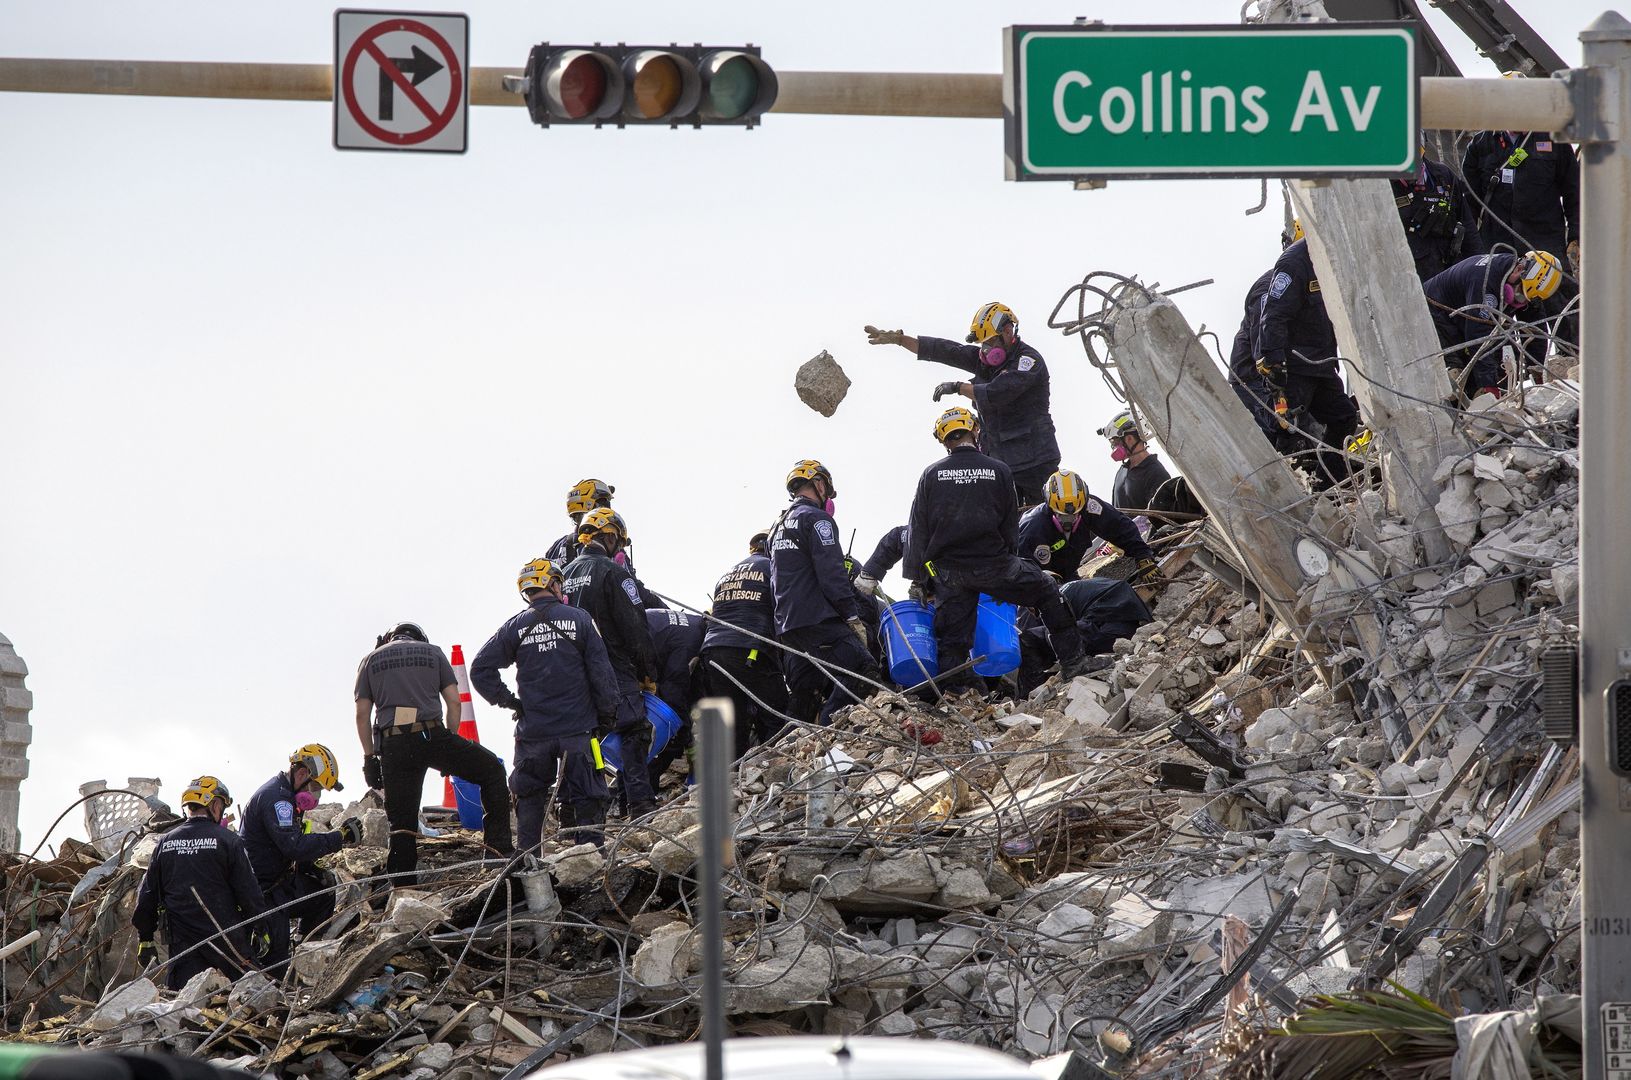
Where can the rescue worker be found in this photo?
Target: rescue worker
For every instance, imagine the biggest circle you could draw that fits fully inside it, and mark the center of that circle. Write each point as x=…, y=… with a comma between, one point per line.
x=676, y=640
x=963, y=533
x=738, y=660
x=1470, y=301
x=1009, y=389
x=201, y=880
x=815, y=601
x=405, y=694
x=283, y=849
x=1530, y=186
x=1297, y=355
x=1105, y=609
x=1436, y=210
x=565, y=698
x=581, y=498
x=1248, y=383
x=598, y=584
x=884, y=558
x=1061, y=532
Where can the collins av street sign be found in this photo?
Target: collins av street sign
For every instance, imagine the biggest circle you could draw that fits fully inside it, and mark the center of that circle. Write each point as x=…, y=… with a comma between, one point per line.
x=1092, y=101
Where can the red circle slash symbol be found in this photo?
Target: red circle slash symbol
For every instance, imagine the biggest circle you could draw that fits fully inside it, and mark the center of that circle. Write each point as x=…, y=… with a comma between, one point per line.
x=367, y=44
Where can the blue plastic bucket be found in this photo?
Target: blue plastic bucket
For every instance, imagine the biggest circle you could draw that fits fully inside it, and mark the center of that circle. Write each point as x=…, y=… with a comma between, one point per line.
x=664, y=723
x=467, y=797
x=908, y=642
x=996, y=637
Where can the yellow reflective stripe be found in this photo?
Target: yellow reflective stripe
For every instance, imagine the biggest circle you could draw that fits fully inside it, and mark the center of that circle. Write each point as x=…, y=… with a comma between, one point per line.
x=594, y=748
x=929, y=566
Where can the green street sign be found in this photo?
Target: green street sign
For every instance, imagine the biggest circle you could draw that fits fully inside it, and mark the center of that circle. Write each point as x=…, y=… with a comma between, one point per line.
x=1294, y=100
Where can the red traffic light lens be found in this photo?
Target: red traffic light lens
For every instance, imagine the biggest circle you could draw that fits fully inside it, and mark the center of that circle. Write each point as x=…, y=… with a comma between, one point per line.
x=582, y=86
x=733, y=89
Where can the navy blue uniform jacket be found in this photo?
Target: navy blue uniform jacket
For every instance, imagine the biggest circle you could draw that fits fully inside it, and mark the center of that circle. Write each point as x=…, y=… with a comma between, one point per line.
x=1543, y=200
x=273, y=834
x=1475, y=284
x=199, y=856
x=1041, y=541
x=887, y=554
x=743, y=598
x=964, y=513
x=1293, y=326
x=1243, y=354
x=611, y=596
x=807, y=576
x=1016, y=427
x=562, y=673
x=677, y=638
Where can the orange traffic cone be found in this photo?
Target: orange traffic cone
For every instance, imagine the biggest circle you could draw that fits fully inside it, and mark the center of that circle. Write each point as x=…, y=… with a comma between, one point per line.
x=467, y=718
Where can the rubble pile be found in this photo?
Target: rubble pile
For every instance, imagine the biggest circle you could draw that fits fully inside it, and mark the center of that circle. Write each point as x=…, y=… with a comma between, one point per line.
x=1234, y=815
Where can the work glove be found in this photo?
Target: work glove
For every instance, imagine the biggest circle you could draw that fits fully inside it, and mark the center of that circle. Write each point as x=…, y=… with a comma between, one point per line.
x=1272, y=368
x=518, y=712
x=919, y=593
x=865, y=583
x=858, y=628
x=1572, y=253
x=649, y=685
x=605, y=724
x=947, y=388
x=373, y=771
x=260, y=944
x=350, y=832
x=146, y=953
x=1148, y=571
x=874, y=336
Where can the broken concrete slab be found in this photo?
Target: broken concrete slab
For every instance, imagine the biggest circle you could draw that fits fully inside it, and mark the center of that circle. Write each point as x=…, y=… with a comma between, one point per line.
x=821, y=383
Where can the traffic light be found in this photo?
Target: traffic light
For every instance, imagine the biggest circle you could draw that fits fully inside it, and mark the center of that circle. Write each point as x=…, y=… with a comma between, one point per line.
x=646, y=84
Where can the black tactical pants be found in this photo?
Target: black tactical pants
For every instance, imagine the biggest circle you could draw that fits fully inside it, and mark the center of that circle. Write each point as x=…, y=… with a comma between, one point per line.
x=565, y=767
x=758, y=671
x=957, y=590
x=404, y=759
x=310, y=899
x=812, y=694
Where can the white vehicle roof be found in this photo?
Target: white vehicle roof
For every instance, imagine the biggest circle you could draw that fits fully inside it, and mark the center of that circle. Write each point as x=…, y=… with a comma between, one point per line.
x=804, y=1057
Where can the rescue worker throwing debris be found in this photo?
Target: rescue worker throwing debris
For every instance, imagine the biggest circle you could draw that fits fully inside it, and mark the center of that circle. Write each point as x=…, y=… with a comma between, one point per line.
x=201, y=880
x=1471, y=299
x=565, y=699
x=738, y=660
x=1009, y=388
x=815, y=601
x=1297, y=355
x=1059, y=534
x=963, y=533
x=283, y=849
x=599, y=585
x=405, y=694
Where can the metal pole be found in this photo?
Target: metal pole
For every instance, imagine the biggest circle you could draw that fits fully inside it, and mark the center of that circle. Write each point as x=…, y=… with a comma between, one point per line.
x=1470, y=104
x=714, y=720
x=1603, y=109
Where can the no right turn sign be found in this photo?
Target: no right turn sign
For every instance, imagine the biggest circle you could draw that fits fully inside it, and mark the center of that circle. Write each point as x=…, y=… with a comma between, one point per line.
x=401, y=80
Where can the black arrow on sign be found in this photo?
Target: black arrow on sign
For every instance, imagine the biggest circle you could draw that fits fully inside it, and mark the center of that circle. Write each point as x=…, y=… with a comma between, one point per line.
x=418, y=67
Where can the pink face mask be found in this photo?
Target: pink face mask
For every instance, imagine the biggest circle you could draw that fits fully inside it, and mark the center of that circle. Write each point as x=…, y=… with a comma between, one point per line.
x=1119, y=453
x=1065, y=525
x=304, y=800
x=1511, y=296
x=828, y=506
x=620, y=559
x=993, y=355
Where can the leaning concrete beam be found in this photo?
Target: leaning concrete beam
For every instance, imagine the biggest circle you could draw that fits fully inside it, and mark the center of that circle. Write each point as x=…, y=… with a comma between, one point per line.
x=15, y=735
x=1250, y=492
x=1387, y=341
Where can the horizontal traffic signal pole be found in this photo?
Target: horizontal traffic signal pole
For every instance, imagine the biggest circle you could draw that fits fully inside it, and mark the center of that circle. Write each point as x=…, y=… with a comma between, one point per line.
x=1448, y=104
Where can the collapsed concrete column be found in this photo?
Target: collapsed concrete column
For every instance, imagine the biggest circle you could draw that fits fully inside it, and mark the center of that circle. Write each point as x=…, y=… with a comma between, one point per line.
x=15, y=735
x=1386, y=339
x=1249, y=490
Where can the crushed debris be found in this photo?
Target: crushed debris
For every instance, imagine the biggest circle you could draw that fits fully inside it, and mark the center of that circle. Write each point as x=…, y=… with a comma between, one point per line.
x=1126, y=865
x=821, y=383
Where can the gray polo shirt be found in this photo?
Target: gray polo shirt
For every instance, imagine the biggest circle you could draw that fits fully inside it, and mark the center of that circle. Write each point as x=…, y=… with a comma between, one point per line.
x=404, y=680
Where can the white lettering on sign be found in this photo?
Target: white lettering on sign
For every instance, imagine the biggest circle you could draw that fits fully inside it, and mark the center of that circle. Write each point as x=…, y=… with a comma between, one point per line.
x=1175, y=108
x=1315, y=101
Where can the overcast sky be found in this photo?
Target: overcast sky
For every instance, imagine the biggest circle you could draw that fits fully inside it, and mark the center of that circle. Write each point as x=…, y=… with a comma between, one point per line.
x=262, y=398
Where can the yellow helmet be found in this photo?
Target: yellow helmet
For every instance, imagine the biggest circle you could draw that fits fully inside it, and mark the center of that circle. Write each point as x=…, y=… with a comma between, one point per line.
x=604, y=520
x=205, y=790
x=807, y=470
x=319, y=760
x=953, y=420
x=537, y=574
x=586, y=495
x=1066, y=493
x=989, y=321
x=1291, y=233
x=1539, y=274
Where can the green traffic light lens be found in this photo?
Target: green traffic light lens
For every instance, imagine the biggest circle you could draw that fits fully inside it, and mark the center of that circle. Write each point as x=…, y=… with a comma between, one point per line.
x=583, y=87
x=733, y=89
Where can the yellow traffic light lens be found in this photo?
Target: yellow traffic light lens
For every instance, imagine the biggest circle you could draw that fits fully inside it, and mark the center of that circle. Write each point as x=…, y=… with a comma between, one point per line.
x=733, y=89
x=657, y=87
x=583, y=87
